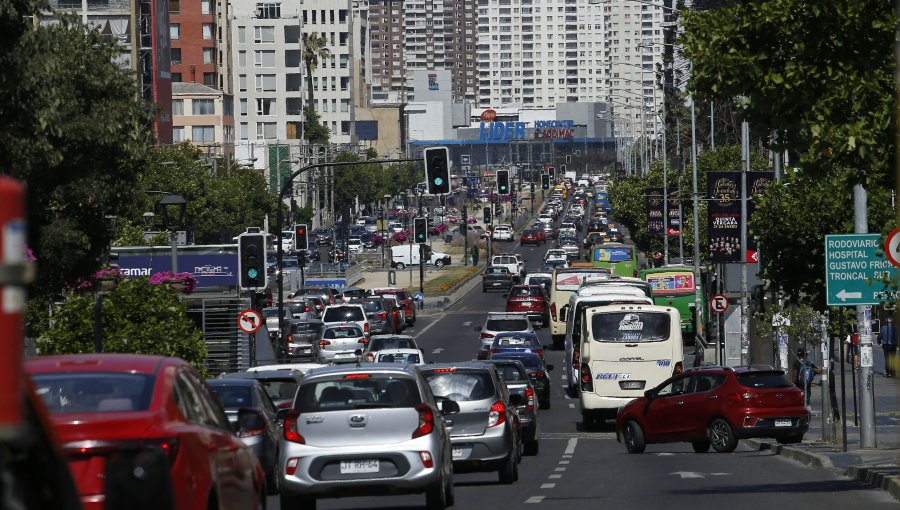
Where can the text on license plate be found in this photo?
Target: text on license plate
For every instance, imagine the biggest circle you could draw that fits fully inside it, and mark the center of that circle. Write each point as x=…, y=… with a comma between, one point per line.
x=461, y=452
x=358, y=466
x=783, y=422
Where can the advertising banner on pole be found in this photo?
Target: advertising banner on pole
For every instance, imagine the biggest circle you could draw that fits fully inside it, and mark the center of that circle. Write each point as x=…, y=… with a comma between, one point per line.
x=654, y=198
x=674, y=223
x=757, y=182
x=724, y=222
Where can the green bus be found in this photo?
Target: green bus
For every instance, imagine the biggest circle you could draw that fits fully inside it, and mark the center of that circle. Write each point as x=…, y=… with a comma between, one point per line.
x=620, y=259
x=675, y=285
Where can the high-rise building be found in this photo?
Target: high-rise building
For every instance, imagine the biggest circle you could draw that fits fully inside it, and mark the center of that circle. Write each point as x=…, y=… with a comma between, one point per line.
x=192, y=30
x=420, y=35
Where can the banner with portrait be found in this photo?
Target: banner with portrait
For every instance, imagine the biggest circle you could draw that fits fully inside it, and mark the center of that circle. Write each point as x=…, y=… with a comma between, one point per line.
x=724, y=221
x=654, y=198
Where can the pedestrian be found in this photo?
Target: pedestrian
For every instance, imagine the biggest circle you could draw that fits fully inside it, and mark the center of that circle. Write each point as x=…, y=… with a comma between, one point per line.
x=888, y=342
x=803, y=372
x=474, y=251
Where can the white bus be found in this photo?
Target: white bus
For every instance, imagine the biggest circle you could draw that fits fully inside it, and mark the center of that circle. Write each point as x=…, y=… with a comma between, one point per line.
x=565, y=282
x=625, y=350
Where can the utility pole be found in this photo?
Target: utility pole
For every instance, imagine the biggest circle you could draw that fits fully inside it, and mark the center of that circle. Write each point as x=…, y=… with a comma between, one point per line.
x=864, y=328
x=712, y=125
x=828, y=430
x=697, y=296
x=745, y=320
x=666, y=191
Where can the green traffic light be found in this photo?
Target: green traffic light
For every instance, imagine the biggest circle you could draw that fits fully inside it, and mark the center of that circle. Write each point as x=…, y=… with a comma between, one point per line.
x=252, y=272
x=438, y=181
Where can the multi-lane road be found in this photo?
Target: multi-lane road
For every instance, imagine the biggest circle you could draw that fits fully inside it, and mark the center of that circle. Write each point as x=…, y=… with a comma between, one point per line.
x=576, y=469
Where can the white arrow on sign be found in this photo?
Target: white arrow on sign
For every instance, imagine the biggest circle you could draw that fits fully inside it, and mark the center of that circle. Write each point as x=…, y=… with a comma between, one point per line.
x=688, y=474
x=843, y=295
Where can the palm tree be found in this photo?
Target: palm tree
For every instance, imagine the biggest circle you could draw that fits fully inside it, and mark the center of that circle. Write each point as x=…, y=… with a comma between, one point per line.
x=315, y=47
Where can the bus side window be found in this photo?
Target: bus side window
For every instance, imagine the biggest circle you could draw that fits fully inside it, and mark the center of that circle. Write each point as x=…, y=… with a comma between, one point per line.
x=576, y=329
x=562, y=313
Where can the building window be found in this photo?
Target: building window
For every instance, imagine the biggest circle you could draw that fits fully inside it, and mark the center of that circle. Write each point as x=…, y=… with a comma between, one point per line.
x=344, y=59
x=266, y=130
x=208, y=55
x=243, y=133
x=203, y=107
x=207, y=30
x=242, y=35
x=345, y=105
x=178, y=133
x=242, y=59
x=176, y=77
x=203, y=133
x=175, y=55
x=265, y=106
x=178, y=107
x=174, y=6
x=209, y=79
x=174, y=31
x=268, y=11
x=206, y=7
x=265, y=83
x=345, y=127
x=242, y=83
x=264, y=34
x=264, y=58
x=243, y=107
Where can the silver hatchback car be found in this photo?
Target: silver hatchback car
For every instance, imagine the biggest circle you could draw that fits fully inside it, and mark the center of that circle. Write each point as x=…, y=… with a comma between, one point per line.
x=361, y=431
x=339, y=342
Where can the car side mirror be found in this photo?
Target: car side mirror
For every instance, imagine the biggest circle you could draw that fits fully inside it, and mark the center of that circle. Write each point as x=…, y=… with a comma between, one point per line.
x=516, y=400
x=281, y=413
x=249, y=419
x=448, y=407
x=650, y=394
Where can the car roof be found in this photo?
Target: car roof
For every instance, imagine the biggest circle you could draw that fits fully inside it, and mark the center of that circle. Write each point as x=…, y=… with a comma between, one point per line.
x=232, y=381
x=517, y=315
x=472, y=365
x=332, y=325
x=100, y=362
x=384, y=368
x=391, y=335
x=267, y=375
x=514, y=355
x=300, y=367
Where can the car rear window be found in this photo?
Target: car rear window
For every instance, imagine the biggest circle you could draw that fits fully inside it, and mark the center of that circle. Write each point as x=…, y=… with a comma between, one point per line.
x=342, y=332
x=306, y=327
x=373, y=306
x=507, y=324
x=461, y=386
x=764, y=380
x=399, y=357
x=94, y=392
x=510, y=372
x=355, y=391
x=232, y=397
x=279, y=389
x=343, y=314
x=377, y=344
x=516, y=341
x=630, y=327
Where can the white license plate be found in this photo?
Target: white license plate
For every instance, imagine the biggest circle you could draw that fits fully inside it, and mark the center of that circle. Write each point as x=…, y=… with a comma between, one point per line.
x=461, y=452
x=783, y=422
x=349, y=467
x=631, y=385
x=345, y=355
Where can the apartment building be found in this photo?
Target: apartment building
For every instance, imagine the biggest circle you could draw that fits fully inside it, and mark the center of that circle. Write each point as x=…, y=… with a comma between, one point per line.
x=419, y=35
x=204, y=115
x=192, y=31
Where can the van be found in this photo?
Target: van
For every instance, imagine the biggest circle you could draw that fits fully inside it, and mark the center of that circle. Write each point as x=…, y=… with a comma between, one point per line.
x=565, y=282
x=625, y=349
x=408, y=255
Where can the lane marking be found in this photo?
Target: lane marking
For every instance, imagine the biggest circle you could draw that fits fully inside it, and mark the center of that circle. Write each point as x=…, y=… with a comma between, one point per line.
x=571, y=405
x=548, y=485
x=563, y=377
x=534, y=499
x=566, y=456
x=426, y=328
x=554, y=477
x=560, y=470
x=564, y=462
x=570, y=448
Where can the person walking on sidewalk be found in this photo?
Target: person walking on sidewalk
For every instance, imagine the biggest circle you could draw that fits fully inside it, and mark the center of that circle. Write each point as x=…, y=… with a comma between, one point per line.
x=888, y=342
x=803, y=372
x=474, y=251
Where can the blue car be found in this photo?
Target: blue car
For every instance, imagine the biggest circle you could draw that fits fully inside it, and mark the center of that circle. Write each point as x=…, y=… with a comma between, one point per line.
x=517, y=341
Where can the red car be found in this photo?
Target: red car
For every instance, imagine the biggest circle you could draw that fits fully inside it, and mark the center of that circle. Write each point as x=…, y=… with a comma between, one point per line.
x=108, y=408
x=409, y=306
x=715, y=406
x=530, y=299
x=533, y=236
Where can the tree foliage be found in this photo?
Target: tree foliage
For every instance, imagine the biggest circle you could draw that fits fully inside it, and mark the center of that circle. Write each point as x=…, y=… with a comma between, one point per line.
x=137, y=317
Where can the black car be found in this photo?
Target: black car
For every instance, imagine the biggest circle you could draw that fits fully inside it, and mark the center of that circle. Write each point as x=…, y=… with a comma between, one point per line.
x=324, y=236
x=537, y=371
x=497, y=277
x=379, y=313
x=515, y=375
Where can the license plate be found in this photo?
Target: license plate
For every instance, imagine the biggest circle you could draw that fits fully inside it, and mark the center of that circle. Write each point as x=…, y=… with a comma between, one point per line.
x=783, y=422
x=345, y=355
x=349, y=467
x=631, y=385
x=461, y=452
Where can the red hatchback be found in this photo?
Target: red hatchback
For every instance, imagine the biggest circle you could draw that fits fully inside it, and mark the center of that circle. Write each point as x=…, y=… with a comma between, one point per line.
x=409, y=306
x=533, y=236
x=715, y=406
x=530, y=299
x=106, y=407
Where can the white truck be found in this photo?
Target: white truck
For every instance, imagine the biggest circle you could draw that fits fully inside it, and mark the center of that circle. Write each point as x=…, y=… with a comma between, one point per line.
x=408, y=255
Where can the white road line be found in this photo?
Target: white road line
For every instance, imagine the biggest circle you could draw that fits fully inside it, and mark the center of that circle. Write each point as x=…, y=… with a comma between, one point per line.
x=560, y=470
x=571, y=405
x=554, y=477
x=534, y=499
x=426, y=328
x=570, y=448
x=563, y=377
x=563, y=462
x=566, y=456
x=548, y=485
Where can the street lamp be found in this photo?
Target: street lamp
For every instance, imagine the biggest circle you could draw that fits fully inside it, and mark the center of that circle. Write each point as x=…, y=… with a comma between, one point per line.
x=172, y=208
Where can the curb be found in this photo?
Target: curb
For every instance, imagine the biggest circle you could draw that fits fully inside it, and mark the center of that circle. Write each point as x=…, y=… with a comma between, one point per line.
x=447, y=301
x=886, y=478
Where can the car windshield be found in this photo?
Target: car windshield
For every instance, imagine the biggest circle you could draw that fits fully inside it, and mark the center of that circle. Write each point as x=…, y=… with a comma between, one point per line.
x=399, y=357
x=355, y=391
x=94, y=392
x=630, y=327
x=510, y=372
x=507, y=325
x=377, y=344
x=342, y=332
x=461, y=386
x=233, y=397
x=764, y=380
x=343, y=314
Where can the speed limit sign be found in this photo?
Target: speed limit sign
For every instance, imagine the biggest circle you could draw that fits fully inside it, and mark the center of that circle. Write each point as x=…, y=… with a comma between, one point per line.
x=892, y=247
x=718, y=303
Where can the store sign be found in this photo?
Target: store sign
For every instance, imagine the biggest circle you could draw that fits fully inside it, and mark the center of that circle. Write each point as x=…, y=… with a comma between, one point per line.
x=515, y=130
x=502, y=130
x=552, y=129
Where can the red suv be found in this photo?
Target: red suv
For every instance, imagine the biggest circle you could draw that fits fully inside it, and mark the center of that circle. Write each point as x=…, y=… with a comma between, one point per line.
x=109, y=407
x=406, y=301
x=715, y=406
x=532, y=236
x=530, y=299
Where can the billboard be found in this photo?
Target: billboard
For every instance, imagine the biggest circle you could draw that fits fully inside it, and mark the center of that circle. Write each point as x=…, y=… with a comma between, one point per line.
x=212, y=266
x=757, y=182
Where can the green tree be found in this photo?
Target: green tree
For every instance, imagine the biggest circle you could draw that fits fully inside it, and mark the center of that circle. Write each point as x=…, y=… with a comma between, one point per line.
x=315, y=48
x=137, y=318
x=314, y=131
x=72, y=128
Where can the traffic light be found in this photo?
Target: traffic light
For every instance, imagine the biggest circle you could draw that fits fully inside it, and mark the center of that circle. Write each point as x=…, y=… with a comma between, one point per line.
x=252, y=260
x=545, y=181
x=420, y=230
x=503, y=182
x=532, y=187
x=552, y=173
x=301, y=237
x=487, y=215
x=568, y=158
x=437, y=170
x=562, y=169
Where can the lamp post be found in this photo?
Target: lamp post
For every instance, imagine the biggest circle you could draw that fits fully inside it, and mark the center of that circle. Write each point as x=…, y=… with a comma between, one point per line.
x=172, y=208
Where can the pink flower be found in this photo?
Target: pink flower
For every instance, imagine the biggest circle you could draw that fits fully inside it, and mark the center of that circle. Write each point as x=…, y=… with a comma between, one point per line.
x=168, y=277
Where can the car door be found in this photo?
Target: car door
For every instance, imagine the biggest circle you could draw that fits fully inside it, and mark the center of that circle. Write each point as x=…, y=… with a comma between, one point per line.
x=700, y=404
x=663, y=418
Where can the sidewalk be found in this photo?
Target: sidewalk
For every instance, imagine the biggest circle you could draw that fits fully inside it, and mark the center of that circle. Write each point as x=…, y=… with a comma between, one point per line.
x=877, y=466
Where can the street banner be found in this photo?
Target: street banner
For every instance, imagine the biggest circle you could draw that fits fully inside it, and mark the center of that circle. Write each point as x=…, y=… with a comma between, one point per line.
x=724, y=222
x=674, y=223
x=757, y=182
x=654, y=198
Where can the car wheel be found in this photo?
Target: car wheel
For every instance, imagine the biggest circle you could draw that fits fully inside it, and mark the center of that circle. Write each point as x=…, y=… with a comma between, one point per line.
x=722, y=436
x=701, y=446
x=634, y=437
x=789, y=438
x=296, y=502
x=532, y=447
x=439, y=264
x=400, y=266
x=436, y=496
x=509, y=471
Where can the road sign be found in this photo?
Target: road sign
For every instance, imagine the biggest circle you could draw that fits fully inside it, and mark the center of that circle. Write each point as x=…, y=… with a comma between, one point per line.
x=853, y=270
x=892, y=247
x=718, y=303
x=249, y=321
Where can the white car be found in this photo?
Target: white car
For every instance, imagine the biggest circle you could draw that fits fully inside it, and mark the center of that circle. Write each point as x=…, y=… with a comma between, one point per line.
x=503, y=233
x=409, y=356
x=556, y=254
x=545, y=218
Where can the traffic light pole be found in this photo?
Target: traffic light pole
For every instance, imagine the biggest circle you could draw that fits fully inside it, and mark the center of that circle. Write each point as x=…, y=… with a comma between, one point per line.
x=279, y=218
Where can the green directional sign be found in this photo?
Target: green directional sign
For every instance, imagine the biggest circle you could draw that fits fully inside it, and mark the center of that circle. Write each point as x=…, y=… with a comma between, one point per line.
x=853, y=270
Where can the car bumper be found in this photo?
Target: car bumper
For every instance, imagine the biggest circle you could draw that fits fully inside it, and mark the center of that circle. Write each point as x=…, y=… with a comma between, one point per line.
x=592, y=401
x=484, y=452
x=506, y=285
x=401, y=470
x=769, y=426
x=326, y=357
x=300, y=351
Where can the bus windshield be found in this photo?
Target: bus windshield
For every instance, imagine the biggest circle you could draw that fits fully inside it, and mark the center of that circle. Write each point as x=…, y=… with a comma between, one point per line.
x=630, y=327
x=670, y=283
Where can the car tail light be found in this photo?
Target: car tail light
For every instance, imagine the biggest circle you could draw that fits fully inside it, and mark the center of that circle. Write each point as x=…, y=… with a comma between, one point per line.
x=290, y=338
x=587, y=381
x=553, y=311
x=539, y=374
x=679, y=368
x=366, y=327
x=444, y=370
x=370, y=357
x=168, y=445
x=363, y=341
x=323, y=343
x=291, y=466
x=252, y=433
x=529, y=399
x=426, y=421
x=487, y=335
x=497, y=414
x=382, y=315
x=427, y=460
x=539, y=352
x=291, y=433
x=576, y=357
x=307, y=308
